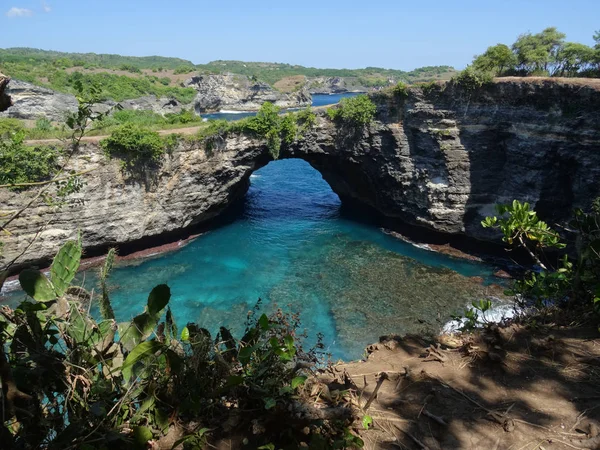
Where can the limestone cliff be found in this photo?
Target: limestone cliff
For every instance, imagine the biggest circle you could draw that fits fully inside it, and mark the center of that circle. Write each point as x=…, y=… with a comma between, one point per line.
x=440, y=158
x=31, y=102
x=238, y=93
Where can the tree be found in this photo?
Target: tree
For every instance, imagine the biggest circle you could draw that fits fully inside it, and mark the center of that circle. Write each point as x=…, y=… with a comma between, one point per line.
x=496, y=59
x=538, y=52
x=573, y=58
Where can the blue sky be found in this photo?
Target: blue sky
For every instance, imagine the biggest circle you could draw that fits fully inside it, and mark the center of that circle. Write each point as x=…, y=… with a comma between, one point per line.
x=326, y=33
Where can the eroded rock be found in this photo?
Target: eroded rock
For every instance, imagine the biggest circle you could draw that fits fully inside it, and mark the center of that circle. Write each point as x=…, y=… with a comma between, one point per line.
x=238, y=93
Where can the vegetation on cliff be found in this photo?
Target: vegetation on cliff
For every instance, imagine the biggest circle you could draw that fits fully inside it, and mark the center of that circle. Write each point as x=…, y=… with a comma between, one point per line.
x=356, y=112
x=542, y=54
x=125, y=77
x=268, y=124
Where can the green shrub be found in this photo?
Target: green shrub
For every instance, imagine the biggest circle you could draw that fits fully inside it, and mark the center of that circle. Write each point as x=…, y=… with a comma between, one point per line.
x=43, y=124
x=136, y=145
x=183, y=69
x=10, y=126
x=165, y=81
x=400, y=90
x=357, y=111
x=184, y=116
x=471, y=79
x=22, y=164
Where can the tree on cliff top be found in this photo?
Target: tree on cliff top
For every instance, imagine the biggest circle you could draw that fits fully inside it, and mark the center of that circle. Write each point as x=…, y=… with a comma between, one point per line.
x=496, y=59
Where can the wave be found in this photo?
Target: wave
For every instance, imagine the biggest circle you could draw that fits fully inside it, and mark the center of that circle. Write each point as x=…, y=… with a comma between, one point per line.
x=227, y=111
x=499, y=312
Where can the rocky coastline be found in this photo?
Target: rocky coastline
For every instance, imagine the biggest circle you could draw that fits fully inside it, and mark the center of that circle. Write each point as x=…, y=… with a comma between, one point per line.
x=438, y=159
x=238, y=93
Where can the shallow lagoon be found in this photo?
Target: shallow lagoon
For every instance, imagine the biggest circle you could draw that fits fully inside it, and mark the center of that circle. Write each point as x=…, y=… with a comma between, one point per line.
x=291, y=244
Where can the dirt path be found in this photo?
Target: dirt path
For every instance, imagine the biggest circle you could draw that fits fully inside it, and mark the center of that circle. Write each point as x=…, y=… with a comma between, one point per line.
x=509, y=389
x=96, y=139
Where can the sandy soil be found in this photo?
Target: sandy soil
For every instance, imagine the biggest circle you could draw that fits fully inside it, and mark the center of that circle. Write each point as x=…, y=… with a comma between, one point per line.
x=511, y=388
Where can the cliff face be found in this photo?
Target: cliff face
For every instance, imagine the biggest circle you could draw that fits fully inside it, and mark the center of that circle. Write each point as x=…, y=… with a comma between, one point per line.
x=440, y=159
x=238, y=93
x=443, y=158
x=31, y=102
x=5, y=100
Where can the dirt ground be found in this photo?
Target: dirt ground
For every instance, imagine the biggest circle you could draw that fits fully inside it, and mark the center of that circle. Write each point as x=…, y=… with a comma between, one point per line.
x=511, y=388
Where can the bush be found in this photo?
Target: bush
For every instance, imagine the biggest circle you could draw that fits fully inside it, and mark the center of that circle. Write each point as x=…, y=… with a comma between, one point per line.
x=267, y=124
x=43, y=124
x=136, y=145
x=22, y=164
x=357, y=111
x=10, y=126
x=183, y=69
x=400, y=90
x=184, y=116
x=471, y=79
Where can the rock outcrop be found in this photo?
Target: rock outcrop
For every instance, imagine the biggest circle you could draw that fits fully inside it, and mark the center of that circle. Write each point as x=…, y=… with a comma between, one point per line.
x=327, y=85
x=31, y=102
x=5, y=100
x=439, y=159
x=159, y=105
x=238, y=93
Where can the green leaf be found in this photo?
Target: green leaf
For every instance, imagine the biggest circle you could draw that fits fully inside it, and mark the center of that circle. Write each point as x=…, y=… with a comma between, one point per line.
x=37, y=285
x=141, y=436
x=158, y=299
x=267, y=447
x=139, y=353
x=263, y=322
x=367, y=422
x=269, y=402
x=185, y=334
x=245, y=354
x=234, y=380
x=65, y=266
x=298, y=381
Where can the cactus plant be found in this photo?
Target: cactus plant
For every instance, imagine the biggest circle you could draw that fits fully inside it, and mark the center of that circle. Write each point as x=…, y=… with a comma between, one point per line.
x=106, y=310
x=65, y=265
x=142, y=326
x=63, y=270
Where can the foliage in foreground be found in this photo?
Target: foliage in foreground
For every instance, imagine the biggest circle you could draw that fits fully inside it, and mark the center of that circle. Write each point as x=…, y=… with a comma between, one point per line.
x=72, y=381
x=575, y=282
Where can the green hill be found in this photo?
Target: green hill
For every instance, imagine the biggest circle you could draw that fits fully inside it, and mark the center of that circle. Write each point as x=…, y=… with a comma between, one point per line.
x=126, y=77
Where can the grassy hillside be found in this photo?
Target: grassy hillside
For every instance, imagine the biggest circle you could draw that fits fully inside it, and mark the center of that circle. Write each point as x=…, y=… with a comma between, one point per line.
x=368, y=77
x=127, y=77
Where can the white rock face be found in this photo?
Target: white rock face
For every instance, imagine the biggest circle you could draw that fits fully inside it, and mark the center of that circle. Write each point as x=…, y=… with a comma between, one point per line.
x=238, y=93
x=33, y=102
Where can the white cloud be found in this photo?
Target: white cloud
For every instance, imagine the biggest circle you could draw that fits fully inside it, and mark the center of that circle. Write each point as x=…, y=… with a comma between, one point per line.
x=19, y=12
x=46, y=7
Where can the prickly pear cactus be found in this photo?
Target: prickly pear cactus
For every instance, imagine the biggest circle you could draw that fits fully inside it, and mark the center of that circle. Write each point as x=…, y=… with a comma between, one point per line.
x=64, y=267
x=37, y=285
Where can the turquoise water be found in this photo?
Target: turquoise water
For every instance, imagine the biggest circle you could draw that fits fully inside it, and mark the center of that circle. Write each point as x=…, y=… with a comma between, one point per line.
x=291, y=244
x=317, y=100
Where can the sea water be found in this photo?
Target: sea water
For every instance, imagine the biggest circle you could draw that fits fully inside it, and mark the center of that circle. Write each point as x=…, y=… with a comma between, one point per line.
x=292, y=245
x=317, y=100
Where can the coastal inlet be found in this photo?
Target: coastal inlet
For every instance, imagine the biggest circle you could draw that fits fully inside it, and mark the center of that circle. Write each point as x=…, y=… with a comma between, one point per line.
x=291, y=244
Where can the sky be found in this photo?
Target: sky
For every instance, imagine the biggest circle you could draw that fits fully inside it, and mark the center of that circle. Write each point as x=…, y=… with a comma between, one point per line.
x=396, y=34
